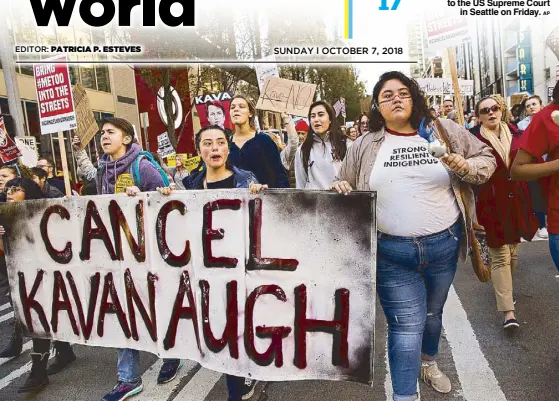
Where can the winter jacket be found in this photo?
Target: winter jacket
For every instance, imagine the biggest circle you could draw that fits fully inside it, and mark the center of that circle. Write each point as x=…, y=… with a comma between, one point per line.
x=51, y=192
x=242, y=178
x=503, y=206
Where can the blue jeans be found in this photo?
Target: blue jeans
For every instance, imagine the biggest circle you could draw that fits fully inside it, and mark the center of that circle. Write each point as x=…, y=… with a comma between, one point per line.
x=128, y=365
x=554, y=248
x=413, y=279
x=235, y=387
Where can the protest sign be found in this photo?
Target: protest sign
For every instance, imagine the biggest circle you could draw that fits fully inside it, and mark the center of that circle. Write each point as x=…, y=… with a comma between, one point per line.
x=87, y=125
x=28, y=148
x=213, y=109
x=444, y=86
x=191, y=163
x=445, y=29
x=8, y=149
x=54, y=96
x=217, y=277
x=164, y=146
x=284, y=95
x=265, y=70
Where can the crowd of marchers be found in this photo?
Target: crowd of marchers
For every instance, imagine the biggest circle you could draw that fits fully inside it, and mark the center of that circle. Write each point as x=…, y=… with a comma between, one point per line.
x=499, y=171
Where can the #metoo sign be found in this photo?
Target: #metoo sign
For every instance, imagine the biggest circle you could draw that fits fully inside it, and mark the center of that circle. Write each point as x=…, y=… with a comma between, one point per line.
x=278, y=286
x=54, y=96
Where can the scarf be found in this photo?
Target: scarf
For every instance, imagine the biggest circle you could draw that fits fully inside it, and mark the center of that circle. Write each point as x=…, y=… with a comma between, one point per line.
x=501, y=144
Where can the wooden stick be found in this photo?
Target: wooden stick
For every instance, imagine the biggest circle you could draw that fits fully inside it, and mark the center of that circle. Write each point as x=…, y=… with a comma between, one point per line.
x=62, y=146
x=456, y=84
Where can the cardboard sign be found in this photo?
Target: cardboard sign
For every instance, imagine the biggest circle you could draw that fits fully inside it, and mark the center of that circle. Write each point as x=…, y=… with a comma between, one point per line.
x=8, y=149
x=292, y=97
x=217, y=277
x=164, y=147
x=265, y=70
x=444, y=28
x=54, y=97
x=444, y=86
x=87, y=125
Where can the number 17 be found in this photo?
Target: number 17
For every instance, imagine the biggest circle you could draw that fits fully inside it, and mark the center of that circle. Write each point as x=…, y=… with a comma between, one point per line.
x=384, y=5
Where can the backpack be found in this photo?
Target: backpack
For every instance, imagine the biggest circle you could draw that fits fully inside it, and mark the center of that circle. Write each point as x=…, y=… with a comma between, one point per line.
x=135, y=169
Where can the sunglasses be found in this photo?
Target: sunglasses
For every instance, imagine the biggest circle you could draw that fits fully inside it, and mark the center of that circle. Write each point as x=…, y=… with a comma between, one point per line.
x=495, y=108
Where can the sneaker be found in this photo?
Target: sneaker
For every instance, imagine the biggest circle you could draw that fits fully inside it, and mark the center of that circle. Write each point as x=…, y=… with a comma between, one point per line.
x=432, y=375
x=124, y=390
x=169, y=371
x=248, y=389
x=511, y=324
x=542, y=233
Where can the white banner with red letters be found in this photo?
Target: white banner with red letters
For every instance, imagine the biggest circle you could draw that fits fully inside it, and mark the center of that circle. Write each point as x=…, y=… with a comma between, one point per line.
x=277, y=286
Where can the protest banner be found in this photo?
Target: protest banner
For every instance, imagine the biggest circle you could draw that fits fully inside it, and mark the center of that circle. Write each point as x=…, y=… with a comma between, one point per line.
x=54, y=96
x=265, y=70
x=285, y=95
x=213, y=109
x=444, y=28
x=87, y=125
x=444, y=86
x=164, y=146
x=8, y=149
x=217, y=277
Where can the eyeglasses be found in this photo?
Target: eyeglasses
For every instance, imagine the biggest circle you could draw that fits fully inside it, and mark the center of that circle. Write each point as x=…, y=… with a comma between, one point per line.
x=13, y=189
x=495, y=108
x=43, y=165
x=389, y=97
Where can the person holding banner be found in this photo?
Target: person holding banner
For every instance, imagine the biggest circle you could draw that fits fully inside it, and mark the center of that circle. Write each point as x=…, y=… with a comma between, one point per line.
x=213, y=146
x=319, y=158
x=19, y=190
x=254, y=151
x=421, y=221
x=542, y=138
x=124, y=168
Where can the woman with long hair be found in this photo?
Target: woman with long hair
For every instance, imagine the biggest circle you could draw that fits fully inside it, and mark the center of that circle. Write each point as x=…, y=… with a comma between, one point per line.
x=319, y=157
x=542, y=138
x=421, y=220
x=500, y=205
x=214, y=149
x=254, y=151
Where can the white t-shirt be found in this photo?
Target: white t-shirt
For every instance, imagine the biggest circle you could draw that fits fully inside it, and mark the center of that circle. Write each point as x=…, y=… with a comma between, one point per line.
x=415, y=196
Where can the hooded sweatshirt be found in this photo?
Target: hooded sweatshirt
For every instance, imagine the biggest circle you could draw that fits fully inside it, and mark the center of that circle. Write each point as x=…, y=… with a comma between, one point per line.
x=322, y=167
x=114, y=176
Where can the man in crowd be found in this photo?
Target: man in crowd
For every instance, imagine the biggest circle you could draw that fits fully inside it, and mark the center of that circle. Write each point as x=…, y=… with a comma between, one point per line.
x=448, y=106
x=47, y=164
x=40, y=177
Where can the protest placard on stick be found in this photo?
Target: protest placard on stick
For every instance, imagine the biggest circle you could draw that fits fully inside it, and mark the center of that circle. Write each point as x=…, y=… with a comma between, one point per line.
x=226, y=283
x=285, y=95
x=87, y=125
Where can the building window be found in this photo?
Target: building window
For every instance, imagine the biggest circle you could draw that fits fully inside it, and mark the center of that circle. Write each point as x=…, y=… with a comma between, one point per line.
x=4, y=107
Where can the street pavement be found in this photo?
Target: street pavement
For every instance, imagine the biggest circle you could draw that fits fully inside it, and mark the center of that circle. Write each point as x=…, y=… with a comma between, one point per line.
x=484, y=362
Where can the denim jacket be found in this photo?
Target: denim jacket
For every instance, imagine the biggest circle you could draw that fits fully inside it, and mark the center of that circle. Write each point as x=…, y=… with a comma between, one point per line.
x=242, y=178
x=358, y=165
